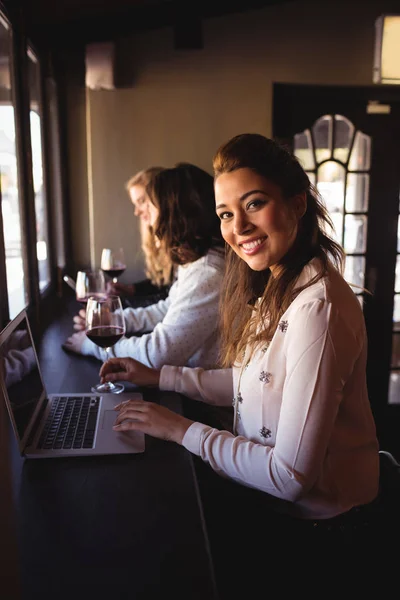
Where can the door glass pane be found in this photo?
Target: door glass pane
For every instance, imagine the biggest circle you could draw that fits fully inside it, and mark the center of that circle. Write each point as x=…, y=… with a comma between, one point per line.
x=397, y=282
x=322, y=132
x=344, y=130
x=360, y=158
x=398, y=235
x=330, y=183
x=394, y=388
x=303, y=149
x=354, y=271
x=10, y=203
x=357, y=192
x=311, y=177
x=42, y=241
x=355, y=233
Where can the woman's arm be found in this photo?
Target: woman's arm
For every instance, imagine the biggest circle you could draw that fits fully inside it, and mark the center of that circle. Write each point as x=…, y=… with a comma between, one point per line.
x=213, y=386
x=310, y=400
x=191, y=319
x=141, y=319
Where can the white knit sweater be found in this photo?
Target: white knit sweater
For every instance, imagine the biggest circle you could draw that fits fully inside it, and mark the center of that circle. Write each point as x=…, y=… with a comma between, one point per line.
x=183, y=326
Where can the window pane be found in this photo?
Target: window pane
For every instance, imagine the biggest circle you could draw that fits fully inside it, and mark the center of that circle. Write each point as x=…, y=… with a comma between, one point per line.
x=357, y=192
x=303, y=149
x=355, y=233
x=394, y=388
x=360, y=159
x=311, y=177
x=322, y=132
x=344, y=130
x=331, y=177
x=11, y=210
x=42, y=243
x=354, y=272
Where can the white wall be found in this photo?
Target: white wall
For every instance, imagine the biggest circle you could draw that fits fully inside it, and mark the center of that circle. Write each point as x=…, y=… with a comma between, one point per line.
x=181, y=105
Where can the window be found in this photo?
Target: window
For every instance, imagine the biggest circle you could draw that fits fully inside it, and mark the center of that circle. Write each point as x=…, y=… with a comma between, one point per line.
x=16, y=268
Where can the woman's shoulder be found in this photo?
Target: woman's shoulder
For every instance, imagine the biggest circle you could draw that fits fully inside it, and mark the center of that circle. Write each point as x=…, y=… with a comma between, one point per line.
x=329, y=294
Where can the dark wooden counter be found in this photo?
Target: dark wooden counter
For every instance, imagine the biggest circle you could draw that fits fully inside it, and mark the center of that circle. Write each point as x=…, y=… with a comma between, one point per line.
x=108, y=527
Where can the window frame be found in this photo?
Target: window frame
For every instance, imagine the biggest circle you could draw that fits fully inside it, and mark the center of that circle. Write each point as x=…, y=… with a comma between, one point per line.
x=20, y=47
x=30, y=48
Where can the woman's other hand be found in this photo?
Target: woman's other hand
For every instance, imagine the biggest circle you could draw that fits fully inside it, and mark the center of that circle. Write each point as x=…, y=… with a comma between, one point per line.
x=128, y=369
x=80, y=320
x=120, y=289
x=74, y=342
x=152, y=419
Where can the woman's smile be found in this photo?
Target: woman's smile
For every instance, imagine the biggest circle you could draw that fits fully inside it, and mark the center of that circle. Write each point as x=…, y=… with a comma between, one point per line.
x=253, y=246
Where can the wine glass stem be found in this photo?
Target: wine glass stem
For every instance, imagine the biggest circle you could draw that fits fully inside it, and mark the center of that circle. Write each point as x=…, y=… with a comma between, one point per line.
x=107, y=358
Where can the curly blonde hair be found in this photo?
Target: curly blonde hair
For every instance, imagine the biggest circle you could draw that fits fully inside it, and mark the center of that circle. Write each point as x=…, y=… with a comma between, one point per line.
x=158, y=266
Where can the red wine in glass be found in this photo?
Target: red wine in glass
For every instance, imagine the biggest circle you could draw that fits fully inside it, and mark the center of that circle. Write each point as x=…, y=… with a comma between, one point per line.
x=105, y=336
x=114, y=273
x=105, y=326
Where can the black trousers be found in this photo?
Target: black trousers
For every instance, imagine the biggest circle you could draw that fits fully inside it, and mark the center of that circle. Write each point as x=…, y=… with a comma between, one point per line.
x=257, y=550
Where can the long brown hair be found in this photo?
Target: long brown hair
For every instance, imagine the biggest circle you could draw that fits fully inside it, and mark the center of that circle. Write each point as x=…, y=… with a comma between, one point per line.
x=158, y=266
x=245, y=322
x=187, y=224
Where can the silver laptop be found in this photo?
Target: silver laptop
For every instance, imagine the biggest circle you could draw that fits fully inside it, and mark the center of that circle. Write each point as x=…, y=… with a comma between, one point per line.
x=57, y=424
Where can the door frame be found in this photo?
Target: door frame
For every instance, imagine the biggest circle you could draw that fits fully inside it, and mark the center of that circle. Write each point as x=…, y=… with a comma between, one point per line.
x=295, y=108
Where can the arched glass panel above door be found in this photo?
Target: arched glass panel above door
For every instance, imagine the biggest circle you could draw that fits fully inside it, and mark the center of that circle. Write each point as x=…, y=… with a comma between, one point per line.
x=337, y=159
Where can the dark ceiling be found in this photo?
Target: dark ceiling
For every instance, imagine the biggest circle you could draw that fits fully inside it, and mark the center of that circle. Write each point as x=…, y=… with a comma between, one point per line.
x=74, y=21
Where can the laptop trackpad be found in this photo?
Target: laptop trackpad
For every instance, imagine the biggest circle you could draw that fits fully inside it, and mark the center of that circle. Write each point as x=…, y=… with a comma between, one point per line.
x=125, y=440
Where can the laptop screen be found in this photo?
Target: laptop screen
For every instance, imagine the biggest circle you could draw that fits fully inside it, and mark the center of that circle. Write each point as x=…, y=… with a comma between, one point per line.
x=20, y=372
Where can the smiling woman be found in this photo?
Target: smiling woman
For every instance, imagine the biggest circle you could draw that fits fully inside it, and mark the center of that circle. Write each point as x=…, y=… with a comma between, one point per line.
x=294, y=347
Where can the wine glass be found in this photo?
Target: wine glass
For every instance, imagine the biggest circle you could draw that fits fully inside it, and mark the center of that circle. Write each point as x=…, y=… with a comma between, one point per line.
x=105, y=325
x=90, y=284
x=113, y=263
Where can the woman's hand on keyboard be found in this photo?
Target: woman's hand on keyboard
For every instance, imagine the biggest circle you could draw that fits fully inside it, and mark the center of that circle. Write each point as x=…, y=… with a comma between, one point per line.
x=152, y=419
x=129, y=369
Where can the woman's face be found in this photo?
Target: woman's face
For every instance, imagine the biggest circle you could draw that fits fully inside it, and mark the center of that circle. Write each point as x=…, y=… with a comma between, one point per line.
x=144, y=208
x=257, y=222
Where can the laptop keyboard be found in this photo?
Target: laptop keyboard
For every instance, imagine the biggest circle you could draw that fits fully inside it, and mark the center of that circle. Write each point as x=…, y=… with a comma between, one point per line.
x=71, y=423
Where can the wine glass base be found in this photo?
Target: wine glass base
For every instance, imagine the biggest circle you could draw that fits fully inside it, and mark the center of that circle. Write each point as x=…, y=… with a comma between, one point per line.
x=108, y=388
